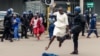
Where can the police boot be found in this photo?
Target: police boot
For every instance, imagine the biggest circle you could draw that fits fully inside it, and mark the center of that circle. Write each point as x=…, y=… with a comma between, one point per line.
x=75, y=52
x=26, y=38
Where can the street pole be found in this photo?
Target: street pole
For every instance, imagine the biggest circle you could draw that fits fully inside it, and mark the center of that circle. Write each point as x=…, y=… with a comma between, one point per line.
x=50, y=11
x=69, y=6
x=82, y=6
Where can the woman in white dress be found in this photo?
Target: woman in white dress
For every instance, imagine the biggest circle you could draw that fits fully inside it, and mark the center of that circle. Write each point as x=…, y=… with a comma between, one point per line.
x=61, y=26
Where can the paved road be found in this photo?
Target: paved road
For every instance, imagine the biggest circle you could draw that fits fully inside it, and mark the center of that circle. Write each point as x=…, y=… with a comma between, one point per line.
x=32, y=47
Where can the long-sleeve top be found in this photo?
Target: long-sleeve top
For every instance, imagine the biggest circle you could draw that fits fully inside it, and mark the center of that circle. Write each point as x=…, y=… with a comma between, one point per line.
x=16, y=22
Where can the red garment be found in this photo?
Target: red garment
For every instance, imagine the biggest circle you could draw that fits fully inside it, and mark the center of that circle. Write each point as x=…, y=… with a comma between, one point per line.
x=39, y=29
x=36, y=31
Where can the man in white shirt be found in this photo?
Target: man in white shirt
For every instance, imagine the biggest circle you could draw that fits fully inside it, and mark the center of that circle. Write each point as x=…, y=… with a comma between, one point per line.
x=61, y=26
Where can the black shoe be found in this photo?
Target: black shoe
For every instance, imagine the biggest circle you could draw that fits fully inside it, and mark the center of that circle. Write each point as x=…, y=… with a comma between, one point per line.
x=83, y=35
x=61, y=40
x=26, y=38
x=11, y=40
x=74, y=52
x=6, y=38
x=2, y=40
x=98, y=36
x=88, y=37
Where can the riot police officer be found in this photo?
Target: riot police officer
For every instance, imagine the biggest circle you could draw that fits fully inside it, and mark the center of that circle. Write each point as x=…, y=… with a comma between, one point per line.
x=77, y=27
x=93, y=27
x=87, y=17
x=24, y=25
x=7, y=26
x=30, y=16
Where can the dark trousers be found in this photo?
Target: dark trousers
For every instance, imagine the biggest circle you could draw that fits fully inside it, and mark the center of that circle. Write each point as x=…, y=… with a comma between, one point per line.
x=83, y=30
x=7, y=34
x=24, y=32
x=75, y=41
x=31, y=28
x=91, y=31
x=76, y=29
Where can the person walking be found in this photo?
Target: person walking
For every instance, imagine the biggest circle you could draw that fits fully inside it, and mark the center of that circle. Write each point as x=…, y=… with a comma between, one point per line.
x=92, y=27
x=24, y=25
x=16, y=21
x=7, y=26
x=30, y=16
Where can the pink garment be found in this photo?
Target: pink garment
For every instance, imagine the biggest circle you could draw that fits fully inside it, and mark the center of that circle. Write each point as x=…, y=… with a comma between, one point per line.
x=37, y=23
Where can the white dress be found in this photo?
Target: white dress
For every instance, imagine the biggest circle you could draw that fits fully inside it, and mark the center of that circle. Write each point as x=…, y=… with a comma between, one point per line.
x=60, y=24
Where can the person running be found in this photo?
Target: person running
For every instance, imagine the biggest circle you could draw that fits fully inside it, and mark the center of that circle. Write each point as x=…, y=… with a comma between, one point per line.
x=61, y=26
x=78, y=20
x=37, y=26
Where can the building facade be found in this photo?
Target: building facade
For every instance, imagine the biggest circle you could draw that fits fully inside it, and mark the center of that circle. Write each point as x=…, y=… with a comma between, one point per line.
x=17, y=5
x=20, y=5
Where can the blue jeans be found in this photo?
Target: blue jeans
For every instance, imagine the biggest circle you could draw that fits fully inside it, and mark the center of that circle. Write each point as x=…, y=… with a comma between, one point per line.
x=51, y=28
x=16, y=35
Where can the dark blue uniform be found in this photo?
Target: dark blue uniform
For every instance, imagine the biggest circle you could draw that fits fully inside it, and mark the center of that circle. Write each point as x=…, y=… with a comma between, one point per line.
x=7, y=28
x=78, y=21
x=92, y=27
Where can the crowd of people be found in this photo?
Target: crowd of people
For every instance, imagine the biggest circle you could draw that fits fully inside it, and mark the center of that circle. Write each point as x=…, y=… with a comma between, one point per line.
x=60, y=26
x=27, y=22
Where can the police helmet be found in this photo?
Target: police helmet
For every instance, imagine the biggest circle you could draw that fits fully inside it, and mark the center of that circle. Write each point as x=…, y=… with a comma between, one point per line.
x=77, y=8
x=12, y=9
x=30, y=12
x=94, y=15
x=9, y=11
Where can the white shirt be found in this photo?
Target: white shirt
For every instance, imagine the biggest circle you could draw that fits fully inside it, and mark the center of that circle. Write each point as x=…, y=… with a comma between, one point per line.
x=62, y=20
x=35, y=23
